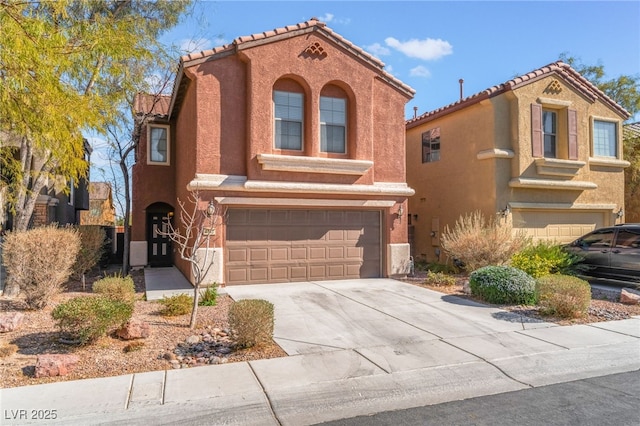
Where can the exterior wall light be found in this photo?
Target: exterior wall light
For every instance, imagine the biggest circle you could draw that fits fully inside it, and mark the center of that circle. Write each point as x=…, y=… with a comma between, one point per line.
x=620, y=213
x=211, y=209
x=505, y=212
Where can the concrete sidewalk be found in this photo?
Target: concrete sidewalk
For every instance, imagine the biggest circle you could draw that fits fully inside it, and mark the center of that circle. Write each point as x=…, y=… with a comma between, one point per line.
x=356, y=348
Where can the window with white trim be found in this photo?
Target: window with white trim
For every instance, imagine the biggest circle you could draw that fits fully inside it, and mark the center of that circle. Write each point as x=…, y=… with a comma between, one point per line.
x=549, y=131
x=159, y=143
x=431, y=145
x=605, y=139
x=288, y=115
x=333, y=125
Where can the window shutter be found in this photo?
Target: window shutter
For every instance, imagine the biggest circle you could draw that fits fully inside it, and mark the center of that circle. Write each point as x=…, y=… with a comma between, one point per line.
x=537, y=147
x=573, y=134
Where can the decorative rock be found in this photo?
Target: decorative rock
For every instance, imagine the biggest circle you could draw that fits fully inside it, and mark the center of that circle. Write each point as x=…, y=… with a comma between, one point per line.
x=49, y=365
x=169, y=356
x=134, y=329
x=10, y=321
x=193, y=339
x=629, y=296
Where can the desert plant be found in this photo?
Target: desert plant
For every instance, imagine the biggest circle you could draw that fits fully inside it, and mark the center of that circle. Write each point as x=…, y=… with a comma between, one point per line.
x=178, y=304
x=209, y=296
x=544, y=258
x=38, y=262
x=116, y=287
x=133, y=346
x=92, y=239
x=475, y=242
x=7, y=349
x=251, y=321
x=563, y=295
x=439, y=279
x=503, y=284
x=86, y=318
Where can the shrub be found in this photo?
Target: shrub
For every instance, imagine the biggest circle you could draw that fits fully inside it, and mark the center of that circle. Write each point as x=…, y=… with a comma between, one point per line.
x=563, y=295
x=475, y=242
x=86, y=318
x=116, y=287
x=251, y=321
x=503, y=284
x=7, y=349
x=92, y=239
x=209, y=297
x=175, y=305
x=441, y=267
x=546, y=258
x=439, y=279
x=39, y=261
x=133, y=346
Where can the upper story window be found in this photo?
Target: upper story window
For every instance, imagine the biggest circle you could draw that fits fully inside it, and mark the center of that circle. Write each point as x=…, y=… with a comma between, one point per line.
x=549, y=129
x=431, y=145
x=605, y=139
x=72, y=191
x=158, y=137
x=333, y=125
x=288, y=114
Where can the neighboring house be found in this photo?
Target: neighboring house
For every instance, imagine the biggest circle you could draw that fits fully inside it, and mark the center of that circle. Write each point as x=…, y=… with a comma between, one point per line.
x=101, y=210
x=299, y=135
x=543, y=150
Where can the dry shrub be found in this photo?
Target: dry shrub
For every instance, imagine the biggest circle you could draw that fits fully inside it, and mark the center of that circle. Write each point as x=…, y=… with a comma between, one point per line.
x=563, y=295
x=116, y=288
x=251, y=321
x=7, y=349
x=439, y=279
x=92, y=239
x=476, y=242
x=133, y=346
x=39, y=261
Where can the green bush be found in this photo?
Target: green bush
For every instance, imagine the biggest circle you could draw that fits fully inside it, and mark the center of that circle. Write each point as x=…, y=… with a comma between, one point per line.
x=86, y=318
x=38, y=262
x=476, y=242
x=439, y=279
x=251, y=321
x=503, y=284
x=563, y=295
x=546, y=258
x=92, y=240
x=209, y=296
x=116, y=287
x=179, y=304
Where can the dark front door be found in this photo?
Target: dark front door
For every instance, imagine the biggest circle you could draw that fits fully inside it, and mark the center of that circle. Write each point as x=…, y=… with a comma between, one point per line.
x=159, y=245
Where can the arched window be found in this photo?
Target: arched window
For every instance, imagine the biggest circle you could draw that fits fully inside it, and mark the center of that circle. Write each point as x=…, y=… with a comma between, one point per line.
x=288, y=113
x=333, y=120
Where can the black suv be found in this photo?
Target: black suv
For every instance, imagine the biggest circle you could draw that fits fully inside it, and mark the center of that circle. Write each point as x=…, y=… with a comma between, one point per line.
x=612, y=252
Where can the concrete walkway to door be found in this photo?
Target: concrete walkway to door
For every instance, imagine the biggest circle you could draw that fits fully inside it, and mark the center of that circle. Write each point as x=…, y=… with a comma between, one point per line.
x=161, y=282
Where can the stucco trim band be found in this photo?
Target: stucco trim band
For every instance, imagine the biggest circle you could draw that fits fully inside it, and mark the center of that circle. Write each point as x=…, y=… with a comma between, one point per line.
x=208, y=182
x=301, y=202
x=291, y=163
x=560, y=206
x=608, y=162
x=572, y=185
x=494, y=153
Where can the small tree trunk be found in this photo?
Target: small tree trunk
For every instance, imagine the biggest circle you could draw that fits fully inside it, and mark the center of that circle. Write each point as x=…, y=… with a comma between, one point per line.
x=194, y=311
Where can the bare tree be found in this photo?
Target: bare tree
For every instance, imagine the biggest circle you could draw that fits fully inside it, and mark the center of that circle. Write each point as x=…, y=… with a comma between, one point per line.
x=195, y=236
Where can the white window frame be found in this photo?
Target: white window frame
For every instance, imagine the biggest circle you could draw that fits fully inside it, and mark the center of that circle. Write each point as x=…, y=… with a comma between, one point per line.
x=552, y=134
x=616, y=147
x=276, y=119
x=168, y=159
x=335, y=124
x=72, y=192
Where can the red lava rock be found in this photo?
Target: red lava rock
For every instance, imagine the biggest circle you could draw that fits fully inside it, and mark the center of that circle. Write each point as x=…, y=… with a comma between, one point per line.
x=10, y=321
x=49, y=365
x=134, y=329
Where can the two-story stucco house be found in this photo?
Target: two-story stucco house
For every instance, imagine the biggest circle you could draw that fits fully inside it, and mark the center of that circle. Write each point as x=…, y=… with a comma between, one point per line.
x=543, y=150
x=299, y=136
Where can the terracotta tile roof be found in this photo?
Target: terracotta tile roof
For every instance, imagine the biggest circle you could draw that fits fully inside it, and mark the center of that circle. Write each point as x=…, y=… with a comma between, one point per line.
x=564, y=70
x=313, y=24
x=144, y=103
x=632, y=129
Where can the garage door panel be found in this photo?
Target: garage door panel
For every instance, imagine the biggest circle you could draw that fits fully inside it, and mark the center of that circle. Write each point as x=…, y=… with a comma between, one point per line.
x=562, y=226
x=298, y=245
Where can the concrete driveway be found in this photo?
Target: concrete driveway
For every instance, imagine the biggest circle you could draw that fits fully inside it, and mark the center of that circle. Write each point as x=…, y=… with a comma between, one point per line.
x=313, y=317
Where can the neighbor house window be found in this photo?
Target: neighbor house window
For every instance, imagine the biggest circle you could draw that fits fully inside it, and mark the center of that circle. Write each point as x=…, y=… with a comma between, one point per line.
x=605, y=139
x=72, y=191
x=288, y=113
x=431, y=145
x=333, y=125
x=158, y=144
x=549, y=129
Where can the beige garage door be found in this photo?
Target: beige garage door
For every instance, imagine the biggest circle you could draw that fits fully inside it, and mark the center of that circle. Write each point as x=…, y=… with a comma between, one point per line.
x=563, y=226
x=270, y=246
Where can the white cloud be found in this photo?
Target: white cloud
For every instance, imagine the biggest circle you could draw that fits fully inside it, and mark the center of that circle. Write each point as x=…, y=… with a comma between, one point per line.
x=427, y=49
x=389, y=69
x=330, y=17
x=378, y=49
x=420, y=71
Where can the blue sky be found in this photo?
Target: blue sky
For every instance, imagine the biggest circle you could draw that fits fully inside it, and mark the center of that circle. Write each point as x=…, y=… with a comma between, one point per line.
x=430, y=45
